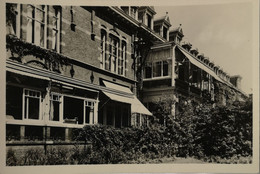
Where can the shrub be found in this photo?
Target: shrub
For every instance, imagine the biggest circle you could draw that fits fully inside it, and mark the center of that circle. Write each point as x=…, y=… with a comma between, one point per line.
x=11, y=159
x=33, y=156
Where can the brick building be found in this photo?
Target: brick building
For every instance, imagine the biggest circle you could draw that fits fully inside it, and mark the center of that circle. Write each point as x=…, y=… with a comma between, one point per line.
x=70, y=66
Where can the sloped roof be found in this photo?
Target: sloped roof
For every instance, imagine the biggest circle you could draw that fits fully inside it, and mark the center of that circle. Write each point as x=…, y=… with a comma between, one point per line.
x=177, y=30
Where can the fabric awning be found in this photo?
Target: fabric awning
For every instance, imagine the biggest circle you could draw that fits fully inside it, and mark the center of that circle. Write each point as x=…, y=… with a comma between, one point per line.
x=136, y=105
x=200, y=65
x=117, y=97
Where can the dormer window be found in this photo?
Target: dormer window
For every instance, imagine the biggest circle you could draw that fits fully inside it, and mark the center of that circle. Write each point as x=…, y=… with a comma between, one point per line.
x=148, y=20
x=131, y=11
x=145, y=15
x=162, y=25
x=176, y=34
x=165, y=33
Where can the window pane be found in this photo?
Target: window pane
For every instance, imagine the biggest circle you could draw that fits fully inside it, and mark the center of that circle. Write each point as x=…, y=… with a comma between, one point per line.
x=148, y=70
x=73, y=110
x=14, y=102
x=33, y=108
x=157, y=69
x=55, y=111
x=164, y=32
x=149, y=18
x=87, y=115
x=42, y=36
x=39, y=15
x=29, y=30
x=30, y=11
x=37, y=33
x=165, y=68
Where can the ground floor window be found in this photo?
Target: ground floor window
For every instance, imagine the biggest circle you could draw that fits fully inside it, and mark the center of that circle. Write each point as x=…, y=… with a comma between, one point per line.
x=73, y=110
x=89, y=112
x=55, y=107
x=32, y=101
x=14, y=96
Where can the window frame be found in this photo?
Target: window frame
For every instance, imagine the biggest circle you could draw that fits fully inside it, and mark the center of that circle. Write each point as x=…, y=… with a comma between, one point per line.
x=103, y=48
x=84, y=107
x=56, y=28
x=60, y=106
x=162, y=63
x=92, y=109
x=34, y=19
x=26, y=104
x=113, y=56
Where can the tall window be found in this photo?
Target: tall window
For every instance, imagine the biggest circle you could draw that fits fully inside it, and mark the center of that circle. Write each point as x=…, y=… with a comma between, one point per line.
x=165, y=68
x=103, y=49
x=122, y=59
x=149, y=20
x=89, y=112
x=36, y=24
x=56, y=29
x=157, y=69
x=133, y=12
x=148, y=70
x=165, y=32
x=31, y=104
x=14, y=102
x=55, y=107
x=113, y=54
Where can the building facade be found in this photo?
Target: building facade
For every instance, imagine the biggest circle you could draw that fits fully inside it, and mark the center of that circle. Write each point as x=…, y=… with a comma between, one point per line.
x=174, y=69
x=70, y=66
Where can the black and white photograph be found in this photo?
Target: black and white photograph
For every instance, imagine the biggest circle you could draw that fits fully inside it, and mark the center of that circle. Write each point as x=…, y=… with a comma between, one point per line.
x=129, y=85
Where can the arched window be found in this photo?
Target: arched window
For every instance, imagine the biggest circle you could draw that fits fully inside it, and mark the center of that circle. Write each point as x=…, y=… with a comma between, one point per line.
x=113, y=55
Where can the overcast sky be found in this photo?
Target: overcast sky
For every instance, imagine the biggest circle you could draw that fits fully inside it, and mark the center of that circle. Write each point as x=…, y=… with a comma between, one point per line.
x=223, y=32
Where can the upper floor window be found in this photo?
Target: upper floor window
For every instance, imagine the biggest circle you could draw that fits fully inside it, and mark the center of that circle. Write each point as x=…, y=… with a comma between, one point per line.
x=113, y=54
x=56, y=29
x=13, y=15
x=165, y=33
x=103, y=48
x=148, y=70
x=156, y=69
x=149, y=20
x=133, y=12
x=122, y=59
x=36, y=24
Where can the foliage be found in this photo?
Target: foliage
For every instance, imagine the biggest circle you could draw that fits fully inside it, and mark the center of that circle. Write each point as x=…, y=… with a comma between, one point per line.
x=22, y=48
x=11, y=159
x=204, y=131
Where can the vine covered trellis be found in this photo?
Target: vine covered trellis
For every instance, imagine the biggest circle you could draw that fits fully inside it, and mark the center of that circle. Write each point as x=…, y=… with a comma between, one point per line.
x=20, y=48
